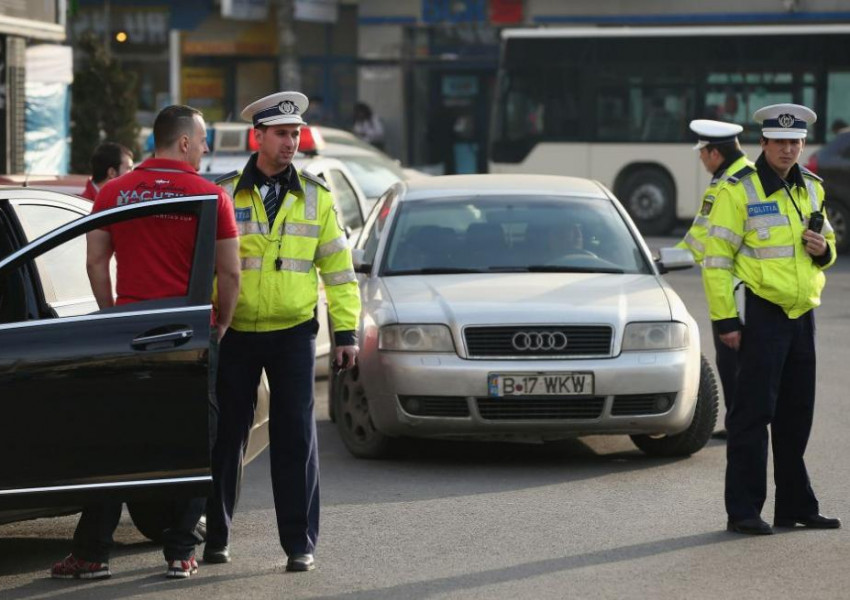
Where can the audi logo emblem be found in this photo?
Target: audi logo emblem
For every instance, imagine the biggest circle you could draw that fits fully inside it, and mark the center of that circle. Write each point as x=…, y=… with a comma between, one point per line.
x=526, y=341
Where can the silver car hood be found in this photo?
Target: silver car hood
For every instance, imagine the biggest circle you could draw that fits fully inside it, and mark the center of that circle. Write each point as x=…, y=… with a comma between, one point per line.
x=528, y=298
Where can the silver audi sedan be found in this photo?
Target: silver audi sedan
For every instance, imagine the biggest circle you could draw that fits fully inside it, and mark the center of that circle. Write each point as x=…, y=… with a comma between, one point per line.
x=521, y=308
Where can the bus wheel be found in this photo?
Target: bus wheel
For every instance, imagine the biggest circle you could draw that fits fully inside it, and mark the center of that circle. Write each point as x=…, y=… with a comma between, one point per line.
x=838, y=214
x=650, y=199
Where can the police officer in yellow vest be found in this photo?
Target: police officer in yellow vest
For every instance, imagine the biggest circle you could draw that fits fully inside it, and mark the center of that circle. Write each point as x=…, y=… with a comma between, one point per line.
x=288, y=229
x=721, y=155
x=767, y=229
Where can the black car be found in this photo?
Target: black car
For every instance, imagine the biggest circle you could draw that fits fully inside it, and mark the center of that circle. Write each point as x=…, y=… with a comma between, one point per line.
x=832, y=162
x=100, y=403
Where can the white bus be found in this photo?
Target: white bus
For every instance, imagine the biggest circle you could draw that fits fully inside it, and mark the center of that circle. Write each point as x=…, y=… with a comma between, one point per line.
x=614, y=104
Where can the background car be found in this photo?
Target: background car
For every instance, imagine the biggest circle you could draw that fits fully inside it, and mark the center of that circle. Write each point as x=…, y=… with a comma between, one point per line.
x=519, y=307
x=832, y=163
x=52, y=294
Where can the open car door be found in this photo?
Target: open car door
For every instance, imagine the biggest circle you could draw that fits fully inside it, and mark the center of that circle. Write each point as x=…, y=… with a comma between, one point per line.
x=114, y=403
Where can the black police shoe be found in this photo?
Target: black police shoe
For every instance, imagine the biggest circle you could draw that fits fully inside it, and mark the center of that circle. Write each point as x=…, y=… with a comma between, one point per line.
x=216, y=555
x=812, y=522
x=300, y=562
x=754, y=526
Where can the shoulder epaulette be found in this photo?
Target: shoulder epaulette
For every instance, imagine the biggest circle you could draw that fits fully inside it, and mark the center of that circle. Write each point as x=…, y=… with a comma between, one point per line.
x=224, y=178
x=807, y=173
x=739, y=175
x=315, y=179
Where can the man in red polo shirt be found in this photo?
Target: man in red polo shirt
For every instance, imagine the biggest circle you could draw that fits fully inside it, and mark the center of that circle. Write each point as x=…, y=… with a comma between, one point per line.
x=154, y=259
x=108, y=161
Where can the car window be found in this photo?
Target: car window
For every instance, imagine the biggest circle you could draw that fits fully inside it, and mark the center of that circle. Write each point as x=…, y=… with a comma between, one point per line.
x=491, y=234
x=346, y=199
x=62, y=271
x=373, y=175
x=375, y=226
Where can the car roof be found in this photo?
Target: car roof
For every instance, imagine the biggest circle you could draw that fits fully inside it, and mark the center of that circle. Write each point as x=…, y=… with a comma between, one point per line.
x=447, y=186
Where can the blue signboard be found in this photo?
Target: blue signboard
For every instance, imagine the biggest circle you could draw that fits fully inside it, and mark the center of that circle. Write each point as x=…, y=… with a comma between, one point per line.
x=454, y=11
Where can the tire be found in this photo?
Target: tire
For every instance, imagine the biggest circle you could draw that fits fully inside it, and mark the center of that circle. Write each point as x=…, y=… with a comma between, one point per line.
x=839, y=217
x=695, y=437
x=650, y=198
x=151, y=518
x=353, y=420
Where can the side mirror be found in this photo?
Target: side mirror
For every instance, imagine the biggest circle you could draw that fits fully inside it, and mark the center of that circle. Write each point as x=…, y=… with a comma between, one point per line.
x=674, y=259
x=357, y=258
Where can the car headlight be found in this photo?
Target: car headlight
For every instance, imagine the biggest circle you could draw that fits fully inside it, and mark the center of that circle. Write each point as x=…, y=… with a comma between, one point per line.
x=416, y=338
x=655, y=336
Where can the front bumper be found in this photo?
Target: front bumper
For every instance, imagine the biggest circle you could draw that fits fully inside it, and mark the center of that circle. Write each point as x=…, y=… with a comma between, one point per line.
x=389, y=376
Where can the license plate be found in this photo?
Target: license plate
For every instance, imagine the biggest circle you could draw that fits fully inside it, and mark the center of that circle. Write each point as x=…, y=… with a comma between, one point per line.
x=540, y=384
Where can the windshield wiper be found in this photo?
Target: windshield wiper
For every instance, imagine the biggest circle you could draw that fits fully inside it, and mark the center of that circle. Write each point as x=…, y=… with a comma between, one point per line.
x=566, y=269
x=434, y=271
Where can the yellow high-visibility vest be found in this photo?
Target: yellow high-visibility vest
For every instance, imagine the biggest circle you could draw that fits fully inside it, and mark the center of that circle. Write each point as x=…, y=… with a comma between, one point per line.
x=695, y=238
x=279, y=287
x=758, y=240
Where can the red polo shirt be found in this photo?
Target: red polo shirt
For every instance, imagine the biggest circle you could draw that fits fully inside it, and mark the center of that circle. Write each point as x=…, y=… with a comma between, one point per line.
x=154, y=254
x=90, y=193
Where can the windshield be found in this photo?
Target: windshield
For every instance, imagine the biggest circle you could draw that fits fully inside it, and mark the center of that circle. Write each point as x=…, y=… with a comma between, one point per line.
x=372, y=174
x=511, y=234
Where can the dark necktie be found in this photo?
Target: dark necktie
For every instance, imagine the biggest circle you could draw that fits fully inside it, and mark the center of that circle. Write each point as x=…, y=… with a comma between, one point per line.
x=270, y=201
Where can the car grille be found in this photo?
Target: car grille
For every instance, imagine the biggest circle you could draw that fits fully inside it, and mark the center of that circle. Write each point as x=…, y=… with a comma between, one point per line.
x=642, y=404
x=581, y=340
x=533, y=408
x=435, y=406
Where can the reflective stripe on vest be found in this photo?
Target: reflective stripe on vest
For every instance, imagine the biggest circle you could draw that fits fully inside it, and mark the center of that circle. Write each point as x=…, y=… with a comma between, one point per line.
x=718, y=262
x=252, y=263
x=813, y=198
x=726, y=234
x=769, y=252
x=765, y=221
x=701, y=220
x=339, y=277
x=295, y=264
x=694, y=243
x=249, y=227
x=311, y=195
x=301, y=230
x=332, y=247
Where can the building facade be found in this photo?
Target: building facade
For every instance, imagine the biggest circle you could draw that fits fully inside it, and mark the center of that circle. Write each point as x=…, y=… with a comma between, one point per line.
x=21, y=24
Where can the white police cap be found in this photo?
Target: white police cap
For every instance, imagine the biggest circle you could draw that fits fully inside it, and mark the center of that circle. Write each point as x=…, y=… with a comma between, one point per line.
x=282, y=108
x=785, y=121
x=714, y=132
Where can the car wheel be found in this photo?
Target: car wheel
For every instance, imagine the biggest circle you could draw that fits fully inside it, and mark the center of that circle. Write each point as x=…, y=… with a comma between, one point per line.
x=151, y=518
x=650, y=198
x=697, y=435
x=838, y=214
x=353, y=419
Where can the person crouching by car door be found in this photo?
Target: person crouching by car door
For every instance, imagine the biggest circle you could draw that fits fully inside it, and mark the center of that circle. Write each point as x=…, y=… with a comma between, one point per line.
x=153, y=260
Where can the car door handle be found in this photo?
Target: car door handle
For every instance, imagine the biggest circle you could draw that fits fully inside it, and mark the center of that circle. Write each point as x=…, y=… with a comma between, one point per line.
x=158, y=338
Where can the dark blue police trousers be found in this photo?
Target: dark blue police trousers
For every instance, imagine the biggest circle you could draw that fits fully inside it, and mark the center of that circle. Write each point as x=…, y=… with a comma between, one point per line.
x=726, y=360
x=288, y=357
x=775, y=387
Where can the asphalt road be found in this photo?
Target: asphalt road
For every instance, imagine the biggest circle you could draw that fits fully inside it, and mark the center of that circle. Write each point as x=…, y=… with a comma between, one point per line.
x=589, y=518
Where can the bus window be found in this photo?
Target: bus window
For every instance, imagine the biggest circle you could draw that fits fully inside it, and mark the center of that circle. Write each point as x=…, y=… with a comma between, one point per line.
x=627, y=95
x=837, y=107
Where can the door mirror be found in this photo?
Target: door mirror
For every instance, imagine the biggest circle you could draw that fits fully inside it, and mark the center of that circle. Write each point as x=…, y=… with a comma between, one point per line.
x=357, y=256
x=674, y=259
